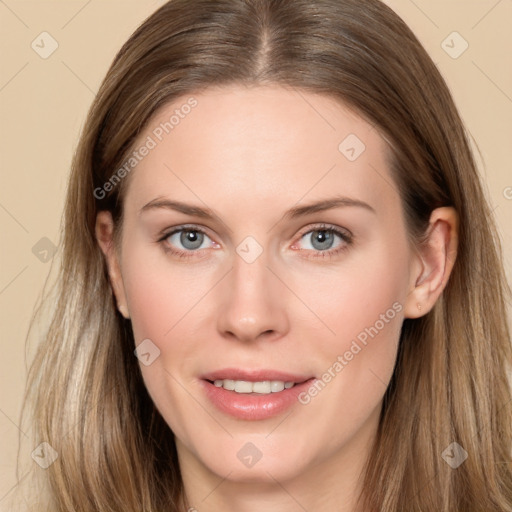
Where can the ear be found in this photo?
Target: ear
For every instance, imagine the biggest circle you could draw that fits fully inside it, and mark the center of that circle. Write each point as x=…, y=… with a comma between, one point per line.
x=434, y=262
x=104, y=236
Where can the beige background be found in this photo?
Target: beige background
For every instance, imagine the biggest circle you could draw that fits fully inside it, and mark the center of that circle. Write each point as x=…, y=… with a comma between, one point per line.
x=43, y=104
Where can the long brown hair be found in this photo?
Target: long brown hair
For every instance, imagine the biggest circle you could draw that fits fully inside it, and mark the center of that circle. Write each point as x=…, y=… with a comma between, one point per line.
x=116, y=453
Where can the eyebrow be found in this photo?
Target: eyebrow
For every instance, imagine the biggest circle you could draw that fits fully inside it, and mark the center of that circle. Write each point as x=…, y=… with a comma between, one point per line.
x=295, y=212
x=326, y=204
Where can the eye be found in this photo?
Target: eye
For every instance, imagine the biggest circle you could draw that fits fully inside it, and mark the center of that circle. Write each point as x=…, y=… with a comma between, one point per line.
x=186, y=240
x=190, y=239
x=325, y=241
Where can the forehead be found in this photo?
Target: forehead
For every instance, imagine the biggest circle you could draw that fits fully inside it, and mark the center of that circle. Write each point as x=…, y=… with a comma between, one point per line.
x=267, y=143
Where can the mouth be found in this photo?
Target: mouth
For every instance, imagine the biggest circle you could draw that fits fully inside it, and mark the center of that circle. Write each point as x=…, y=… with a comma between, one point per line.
x=254, y=394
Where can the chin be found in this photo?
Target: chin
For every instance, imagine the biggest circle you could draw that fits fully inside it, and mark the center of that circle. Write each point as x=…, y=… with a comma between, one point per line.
x=256, y=461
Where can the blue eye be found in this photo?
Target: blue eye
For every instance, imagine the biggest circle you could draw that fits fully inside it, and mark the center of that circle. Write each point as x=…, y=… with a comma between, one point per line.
x=190, y=239
x=322, y=240
x=187, y=241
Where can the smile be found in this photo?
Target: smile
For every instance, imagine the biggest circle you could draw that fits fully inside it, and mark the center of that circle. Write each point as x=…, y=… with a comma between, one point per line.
x=264, y=387
x=253, y=394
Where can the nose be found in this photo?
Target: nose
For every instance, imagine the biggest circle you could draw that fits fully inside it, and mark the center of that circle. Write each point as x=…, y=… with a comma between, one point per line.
x=252, y=302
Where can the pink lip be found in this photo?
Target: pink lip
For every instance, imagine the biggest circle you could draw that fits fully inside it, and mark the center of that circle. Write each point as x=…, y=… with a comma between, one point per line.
x=253, y=406
x=254, y=375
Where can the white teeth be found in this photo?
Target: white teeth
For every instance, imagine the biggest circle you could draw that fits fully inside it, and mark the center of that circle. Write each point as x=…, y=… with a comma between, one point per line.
x=263, y=387
x=276, y=385
x=229, y=384
x=241, y=386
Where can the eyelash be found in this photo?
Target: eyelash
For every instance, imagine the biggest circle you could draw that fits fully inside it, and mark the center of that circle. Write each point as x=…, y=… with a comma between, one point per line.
x=345, y=236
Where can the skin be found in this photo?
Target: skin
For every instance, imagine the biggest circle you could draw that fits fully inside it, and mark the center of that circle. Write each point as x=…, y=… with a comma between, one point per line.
x=249, y=155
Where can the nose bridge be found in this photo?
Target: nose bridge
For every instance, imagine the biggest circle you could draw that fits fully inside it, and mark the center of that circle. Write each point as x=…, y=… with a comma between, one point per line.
x=252, y=304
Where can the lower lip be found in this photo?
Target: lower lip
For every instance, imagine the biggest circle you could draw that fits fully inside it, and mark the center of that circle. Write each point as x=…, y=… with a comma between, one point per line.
x=253, y=406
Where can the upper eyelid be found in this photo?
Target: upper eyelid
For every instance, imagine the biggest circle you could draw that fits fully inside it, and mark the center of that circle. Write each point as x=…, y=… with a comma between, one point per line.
x=182, y=227
x=326, y=227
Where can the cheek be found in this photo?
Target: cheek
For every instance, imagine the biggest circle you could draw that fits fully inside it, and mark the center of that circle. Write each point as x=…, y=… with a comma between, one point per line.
x=362, y=305
x=166, y=300
x=366, y=293
x=163, y=299
x=160, y=294
x=154, y=305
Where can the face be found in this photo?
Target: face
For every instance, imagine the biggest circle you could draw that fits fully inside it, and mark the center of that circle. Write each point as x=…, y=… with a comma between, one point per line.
x=264, y=243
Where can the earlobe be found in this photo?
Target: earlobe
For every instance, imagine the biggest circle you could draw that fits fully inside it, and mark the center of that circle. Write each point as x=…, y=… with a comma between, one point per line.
x=437, y=256
x=104, y=235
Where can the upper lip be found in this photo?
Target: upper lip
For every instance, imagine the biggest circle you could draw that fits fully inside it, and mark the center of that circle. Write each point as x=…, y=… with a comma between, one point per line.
x=254, y=375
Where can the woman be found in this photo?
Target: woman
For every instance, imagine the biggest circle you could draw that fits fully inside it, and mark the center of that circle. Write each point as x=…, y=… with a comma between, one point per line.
x=274, y=206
